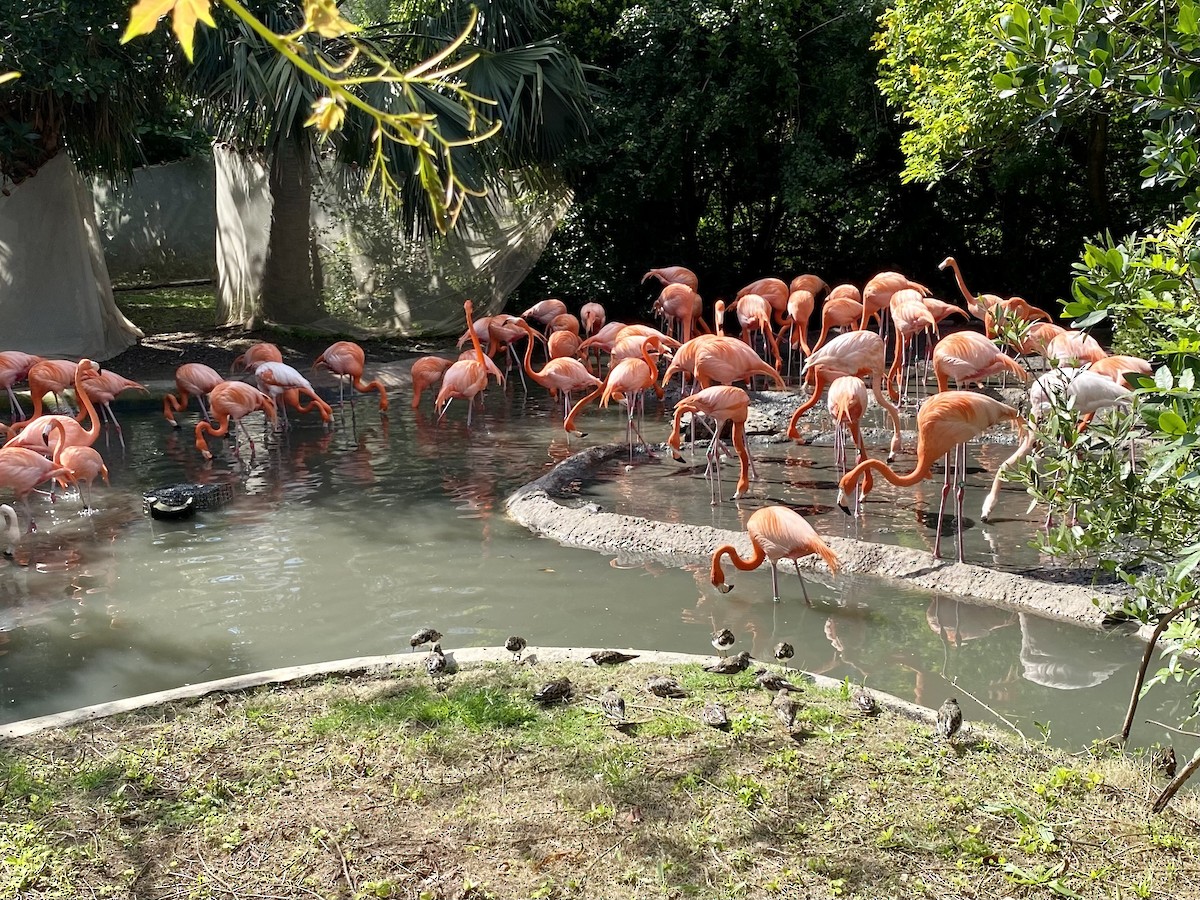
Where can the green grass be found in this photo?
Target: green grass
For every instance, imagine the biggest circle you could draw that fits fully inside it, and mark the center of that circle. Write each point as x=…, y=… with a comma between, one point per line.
x=475, y=709
x=169, y=310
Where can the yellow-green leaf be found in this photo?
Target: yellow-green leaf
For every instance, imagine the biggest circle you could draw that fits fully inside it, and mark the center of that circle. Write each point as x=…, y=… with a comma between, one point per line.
x=183, y=22
x=144, y=17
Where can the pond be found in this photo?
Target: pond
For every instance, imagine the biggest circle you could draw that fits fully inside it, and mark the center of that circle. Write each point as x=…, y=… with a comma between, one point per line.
x=342, y=543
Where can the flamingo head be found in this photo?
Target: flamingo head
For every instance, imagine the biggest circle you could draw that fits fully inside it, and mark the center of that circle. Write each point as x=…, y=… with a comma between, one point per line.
x=948, y=261
x=841, y=501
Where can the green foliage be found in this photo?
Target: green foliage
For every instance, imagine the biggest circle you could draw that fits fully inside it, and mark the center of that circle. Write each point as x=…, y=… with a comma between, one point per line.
x=936, y=68
x=1133, y=57
x=474, y=708
x=110, y=106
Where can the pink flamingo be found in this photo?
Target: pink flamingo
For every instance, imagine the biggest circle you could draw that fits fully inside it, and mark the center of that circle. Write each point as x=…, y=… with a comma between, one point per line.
x=346, y=359
x=673, y=275
x=232, y=401
x=49, y=376
x=14, y=367
x=466, y=378
x=681, y=303
x=1118, y=367
x=192, y=379
x=877, y=294
x=968, y=356
x=859, y=353
x=103, y=389
x=1073, y=348
x=847, y=402
x=627, y=382
x=560, y=374
x=255, y=354
x=774, y=290
x=592, y=316
x=31, y=436
x=279, y=380
x=83, y=464
x=545, y=311
x=754, y=315
x=776, y=533
x=945, y=423
x=911, y=317
x=22, y=470
x=721, y=403
x=842, y=309
x=426, y=372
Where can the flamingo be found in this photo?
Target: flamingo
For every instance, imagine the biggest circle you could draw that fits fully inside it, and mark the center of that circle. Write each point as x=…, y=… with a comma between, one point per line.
x=814, y=284
x=877, y=294
x=679, y=302
x=561, y=344
x=1073, y=348
x=754, y=314
x=49, y=376
x=941, y=310
x=564, y=322
x=1118, y=368
x=858, y=353
x=545, y=311
x=969, y=356
x=11, y=531
x=191, y=379
x=14, y=367
x=1013, y=308
x=255, y=354
x=103, y=389
x=592, y=316
x=976, y=306
x=842, y=309
x=31, y=437
x=911, y=317
x=627, y=381
x=279, y=381
x=83, y=464
x=468, y=377
x=673, y=275
x=774, y=291
x=800, y=306
x=776, y=533
x=345, y=359
x=723, y=404
x=504, y=331
x=22, y=470
x=426, y=372
x=847, y=402
x=560, y=374
x=1082, y=390
x=945, y=422
x=724, y=360
x=233, y=401
x=684, y=360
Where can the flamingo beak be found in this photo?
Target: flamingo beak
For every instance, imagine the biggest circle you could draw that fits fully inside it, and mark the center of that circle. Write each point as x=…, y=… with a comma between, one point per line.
x=677, y=456
x=724, y=588
x=841, y=502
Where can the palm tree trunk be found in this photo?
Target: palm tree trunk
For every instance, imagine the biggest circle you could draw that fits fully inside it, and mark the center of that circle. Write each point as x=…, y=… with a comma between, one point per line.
x=291, y=292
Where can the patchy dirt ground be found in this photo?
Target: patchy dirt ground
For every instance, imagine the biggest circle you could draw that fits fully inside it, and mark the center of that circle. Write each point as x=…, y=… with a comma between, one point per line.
x=390, y=786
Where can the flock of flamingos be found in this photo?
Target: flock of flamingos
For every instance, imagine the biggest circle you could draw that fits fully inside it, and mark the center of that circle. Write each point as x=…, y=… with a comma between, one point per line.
x=609, y=361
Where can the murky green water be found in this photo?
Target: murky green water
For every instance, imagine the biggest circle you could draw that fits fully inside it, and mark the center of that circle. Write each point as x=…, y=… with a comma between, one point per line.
x=343, y=543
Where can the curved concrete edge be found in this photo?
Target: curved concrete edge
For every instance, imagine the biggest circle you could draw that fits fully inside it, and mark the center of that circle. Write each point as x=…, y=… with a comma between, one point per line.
x=683, y=546
x=382, y=665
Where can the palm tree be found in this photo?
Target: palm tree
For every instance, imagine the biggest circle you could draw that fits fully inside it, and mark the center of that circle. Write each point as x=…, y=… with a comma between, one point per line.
x=257, y=100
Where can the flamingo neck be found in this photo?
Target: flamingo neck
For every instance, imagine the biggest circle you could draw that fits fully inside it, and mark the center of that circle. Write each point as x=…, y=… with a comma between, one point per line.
x=93, y=429
x=474, y=336
x=746, y=565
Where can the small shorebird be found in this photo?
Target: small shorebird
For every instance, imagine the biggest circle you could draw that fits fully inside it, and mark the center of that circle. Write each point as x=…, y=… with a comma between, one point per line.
x=665, y=686
x=613, y=704
x=610, y=657
x=773, y=681
x=731, y=665
x=714, y=716
x=784, y=652
x=949, y=719
x=435, y=663
x=722, y=640
x=1164, y=761
x=558, y=689
x=785, y=709
x=516, y=646
x=865, y=701
x=424, y=636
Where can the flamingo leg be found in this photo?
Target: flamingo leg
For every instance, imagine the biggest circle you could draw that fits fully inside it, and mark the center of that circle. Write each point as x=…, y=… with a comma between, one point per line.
x=774, y=581
x=803, y=589
x=937, y=541
x=16, y=407
x=960, y=467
